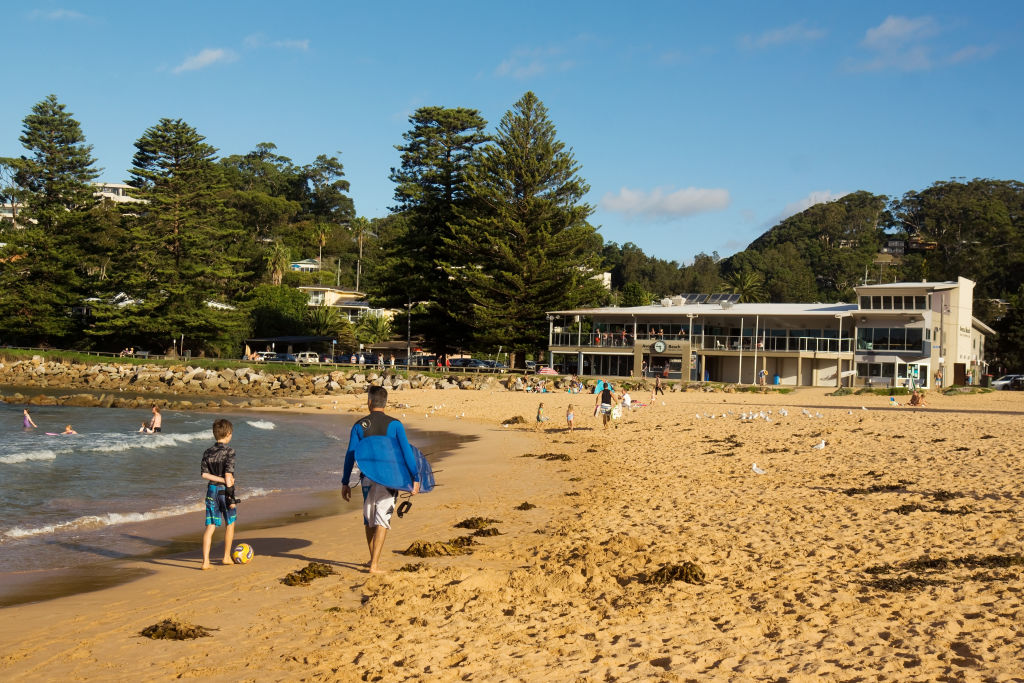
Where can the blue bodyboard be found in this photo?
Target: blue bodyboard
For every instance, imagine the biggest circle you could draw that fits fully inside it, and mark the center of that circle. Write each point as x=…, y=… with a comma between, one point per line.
x=381, y=460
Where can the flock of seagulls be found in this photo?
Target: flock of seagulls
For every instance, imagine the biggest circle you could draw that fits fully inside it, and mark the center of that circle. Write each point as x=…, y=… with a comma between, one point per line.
x=765, y=415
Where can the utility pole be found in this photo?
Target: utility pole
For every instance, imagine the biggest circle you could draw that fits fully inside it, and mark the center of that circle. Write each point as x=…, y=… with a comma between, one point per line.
x=408, y=334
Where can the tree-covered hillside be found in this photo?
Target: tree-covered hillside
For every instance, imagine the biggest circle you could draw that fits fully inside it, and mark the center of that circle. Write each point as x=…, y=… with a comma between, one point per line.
x=488, y=232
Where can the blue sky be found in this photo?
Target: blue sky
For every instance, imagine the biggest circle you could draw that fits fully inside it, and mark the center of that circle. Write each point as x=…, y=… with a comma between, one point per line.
x=697, y=125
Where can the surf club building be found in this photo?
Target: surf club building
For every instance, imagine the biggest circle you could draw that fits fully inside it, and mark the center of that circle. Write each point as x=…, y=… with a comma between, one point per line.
x=901, y=334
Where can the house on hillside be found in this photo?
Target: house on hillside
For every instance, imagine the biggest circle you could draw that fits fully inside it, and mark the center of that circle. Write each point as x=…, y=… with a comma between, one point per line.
x=309, y=265
x=350, y=303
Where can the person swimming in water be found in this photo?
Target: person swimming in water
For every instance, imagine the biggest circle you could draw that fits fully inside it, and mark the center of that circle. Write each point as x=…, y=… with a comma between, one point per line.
x=68, y=430
x=27, y=422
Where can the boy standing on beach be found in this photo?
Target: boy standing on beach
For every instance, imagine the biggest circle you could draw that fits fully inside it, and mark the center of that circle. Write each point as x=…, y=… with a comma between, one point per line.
x=218, y=468
x=378, y=501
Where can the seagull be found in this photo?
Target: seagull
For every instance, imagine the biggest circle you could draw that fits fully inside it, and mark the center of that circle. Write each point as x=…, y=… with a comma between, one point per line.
x=863, y=408
x=697, y=415
x=819, y=446
x=756, y=469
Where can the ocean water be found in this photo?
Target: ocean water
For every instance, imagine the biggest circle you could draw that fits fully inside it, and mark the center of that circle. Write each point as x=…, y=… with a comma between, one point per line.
x=67, y=500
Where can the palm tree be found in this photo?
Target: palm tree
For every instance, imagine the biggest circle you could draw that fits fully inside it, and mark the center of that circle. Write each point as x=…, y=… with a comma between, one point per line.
x=373, y=328
x=748, y=284
x=320, y=235
x=277, y=258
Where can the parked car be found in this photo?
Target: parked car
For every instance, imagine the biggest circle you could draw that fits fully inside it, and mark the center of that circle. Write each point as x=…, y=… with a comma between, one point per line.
x=284, y=358
x=1004, y=381
x=307, y=357
x=495, y=365
x=1016, y=384
x=263, y=356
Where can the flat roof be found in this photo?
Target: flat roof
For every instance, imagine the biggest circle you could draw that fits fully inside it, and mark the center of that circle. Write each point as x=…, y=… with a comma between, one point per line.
x=737, y=310
x=909, y=285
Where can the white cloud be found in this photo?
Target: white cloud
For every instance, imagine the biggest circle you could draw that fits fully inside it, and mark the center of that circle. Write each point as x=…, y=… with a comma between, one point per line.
x=916, y=58
x=899, y=43
x=895, y=31
x=258, y=40
x=816, y=197
x=528, y=62
x=205, y=58
x=662, y=203
x=971, y=53
x=302, y=45
x=57, y=15
x=799, y=32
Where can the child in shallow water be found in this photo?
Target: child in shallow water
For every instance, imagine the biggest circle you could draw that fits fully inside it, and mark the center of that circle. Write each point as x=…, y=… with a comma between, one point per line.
x=68, y=430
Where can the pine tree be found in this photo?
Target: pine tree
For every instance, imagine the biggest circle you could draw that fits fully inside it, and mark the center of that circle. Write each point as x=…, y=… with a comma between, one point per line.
x=430, y=185
x=42, y=273
x=183, y=248
x=523, y=245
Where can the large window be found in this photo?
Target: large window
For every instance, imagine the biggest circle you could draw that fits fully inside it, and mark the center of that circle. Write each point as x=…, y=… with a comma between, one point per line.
x=891, y=303
x=899, y=374
x=889, y=338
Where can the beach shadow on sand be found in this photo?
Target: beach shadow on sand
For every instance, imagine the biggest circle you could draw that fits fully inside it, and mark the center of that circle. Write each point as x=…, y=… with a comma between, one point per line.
x=267, y=546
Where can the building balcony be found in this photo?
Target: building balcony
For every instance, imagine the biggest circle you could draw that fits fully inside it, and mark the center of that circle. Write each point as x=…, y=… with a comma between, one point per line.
x=714, y=344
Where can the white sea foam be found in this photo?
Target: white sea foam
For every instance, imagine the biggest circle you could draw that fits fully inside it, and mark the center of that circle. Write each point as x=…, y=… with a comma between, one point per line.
x=120, y=442
x=260, y=424
x=26, y=456
x=88, y=522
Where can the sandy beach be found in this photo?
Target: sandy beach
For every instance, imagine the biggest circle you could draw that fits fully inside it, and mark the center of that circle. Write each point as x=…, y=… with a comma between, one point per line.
x=889, y=553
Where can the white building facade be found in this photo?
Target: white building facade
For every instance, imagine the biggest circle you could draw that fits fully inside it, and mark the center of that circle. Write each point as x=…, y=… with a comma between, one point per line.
x=902, y=334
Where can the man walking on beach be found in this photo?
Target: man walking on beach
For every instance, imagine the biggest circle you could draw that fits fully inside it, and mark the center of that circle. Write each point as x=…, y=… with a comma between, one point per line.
x=378, y=500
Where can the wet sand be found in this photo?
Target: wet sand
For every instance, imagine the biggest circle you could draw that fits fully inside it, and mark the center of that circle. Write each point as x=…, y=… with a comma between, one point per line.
x=807, y=566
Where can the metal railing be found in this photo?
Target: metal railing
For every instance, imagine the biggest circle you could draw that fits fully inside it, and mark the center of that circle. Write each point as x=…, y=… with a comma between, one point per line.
x=708, y=342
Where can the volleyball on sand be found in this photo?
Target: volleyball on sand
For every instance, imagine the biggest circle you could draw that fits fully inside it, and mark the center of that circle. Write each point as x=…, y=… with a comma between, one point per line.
x=242, y=553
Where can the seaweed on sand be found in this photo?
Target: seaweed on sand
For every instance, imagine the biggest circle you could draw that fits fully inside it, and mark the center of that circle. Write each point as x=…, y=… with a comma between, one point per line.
x=477, y=523
x=303, y=577
x=917, y=507
x=525, y=506
x=517, y=420
x=411, y=567
x=687, y=571
x=905, y=583
x=548, y=456
x=939, y=564
x=490, y=531
x=172, y=629
x=451, y=547
x=901, y=485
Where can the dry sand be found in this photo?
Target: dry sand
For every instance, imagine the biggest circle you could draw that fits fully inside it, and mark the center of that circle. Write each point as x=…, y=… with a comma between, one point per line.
x=557, y=596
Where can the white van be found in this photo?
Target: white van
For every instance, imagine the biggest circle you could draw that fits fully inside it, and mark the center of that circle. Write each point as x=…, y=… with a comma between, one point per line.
x=307, y=357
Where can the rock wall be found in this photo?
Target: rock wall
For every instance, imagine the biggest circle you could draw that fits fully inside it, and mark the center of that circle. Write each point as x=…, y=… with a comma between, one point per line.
x=258, y=385
x=200, y=387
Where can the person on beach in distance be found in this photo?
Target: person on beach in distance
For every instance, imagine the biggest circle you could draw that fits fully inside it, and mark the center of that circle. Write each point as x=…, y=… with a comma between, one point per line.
x=26, y=420
x=605, y=401
x=218, y=469
x=569, y=416
x=917, y=399
x=541, y=417
x=378, y=501
x=155, y=423
x=658, y=389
